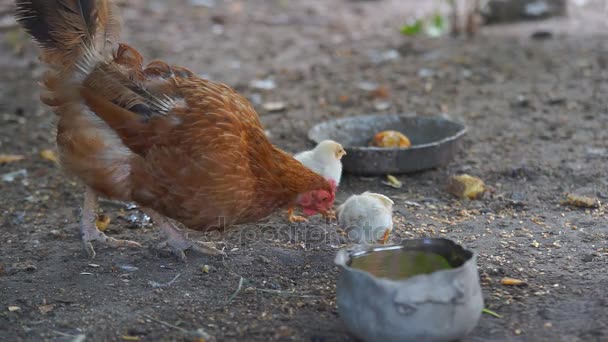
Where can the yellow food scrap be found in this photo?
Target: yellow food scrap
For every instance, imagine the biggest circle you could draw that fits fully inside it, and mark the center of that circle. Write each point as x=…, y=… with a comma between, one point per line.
x=9, y=158
x=13, y=308
x=390, y=139
x=129, y=338
x=102, y=222
x=512, y=282
x=49, y=155
x=582, y=201
x=392, y=181
x=466, y=186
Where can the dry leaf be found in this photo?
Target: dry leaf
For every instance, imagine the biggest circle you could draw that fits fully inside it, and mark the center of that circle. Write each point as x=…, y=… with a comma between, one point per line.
x=512, y=282
x=582, y=201
x=392, y=181
x=466, y=186
x=9, y=158
x=44, y=309
x=102, y=222
x=49, y=155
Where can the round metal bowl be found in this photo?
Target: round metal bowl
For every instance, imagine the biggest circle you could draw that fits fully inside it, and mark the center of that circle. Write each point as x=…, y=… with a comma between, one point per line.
x=431, y=305
x=434, y=142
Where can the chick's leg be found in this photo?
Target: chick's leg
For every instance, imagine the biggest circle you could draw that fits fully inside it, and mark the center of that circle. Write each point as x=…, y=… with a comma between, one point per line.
x=177, y=241
x=329, y=215
x=385, y=236
x=88, y=230
x=295, y=218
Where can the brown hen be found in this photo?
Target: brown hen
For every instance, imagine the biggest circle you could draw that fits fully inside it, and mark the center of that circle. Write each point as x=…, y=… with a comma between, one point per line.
x=180, y=146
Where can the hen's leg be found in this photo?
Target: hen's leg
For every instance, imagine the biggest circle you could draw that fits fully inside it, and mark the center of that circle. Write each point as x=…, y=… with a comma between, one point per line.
x=88, y=230
x=295, y=218
x=176, y=239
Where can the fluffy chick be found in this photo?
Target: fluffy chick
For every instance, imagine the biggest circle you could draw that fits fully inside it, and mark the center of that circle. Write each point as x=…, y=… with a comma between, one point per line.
x=324, y=159
x=368, y=217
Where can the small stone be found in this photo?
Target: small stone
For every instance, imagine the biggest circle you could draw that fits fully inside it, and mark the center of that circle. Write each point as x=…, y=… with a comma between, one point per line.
x=128, y=268
x=274, y=106
x=265, y=84
x=264, y=259
x=367, y=86
x=426, y=73
x=382, y=105
x=11, y=176
x=522, y=101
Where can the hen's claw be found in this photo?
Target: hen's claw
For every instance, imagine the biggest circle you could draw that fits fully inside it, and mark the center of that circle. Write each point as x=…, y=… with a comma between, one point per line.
x=295, y=218
x=93, y=234
x=89, y=231
x=177, y=242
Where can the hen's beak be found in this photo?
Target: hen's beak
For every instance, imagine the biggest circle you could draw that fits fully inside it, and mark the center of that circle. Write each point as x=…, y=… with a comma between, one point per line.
x=385, y=237
x=341, y=153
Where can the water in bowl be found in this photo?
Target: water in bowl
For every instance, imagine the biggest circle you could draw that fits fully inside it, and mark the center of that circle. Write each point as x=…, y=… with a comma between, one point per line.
x=399, y=264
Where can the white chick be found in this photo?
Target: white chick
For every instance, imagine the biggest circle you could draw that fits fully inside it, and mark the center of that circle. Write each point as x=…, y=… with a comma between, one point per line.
x=324, y=159
x=367, y=218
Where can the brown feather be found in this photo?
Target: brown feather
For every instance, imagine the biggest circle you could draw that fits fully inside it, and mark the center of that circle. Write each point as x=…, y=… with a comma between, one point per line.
x=191, y=149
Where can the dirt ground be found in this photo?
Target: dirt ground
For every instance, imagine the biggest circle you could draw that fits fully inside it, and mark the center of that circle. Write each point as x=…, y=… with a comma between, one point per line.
x=538, y=129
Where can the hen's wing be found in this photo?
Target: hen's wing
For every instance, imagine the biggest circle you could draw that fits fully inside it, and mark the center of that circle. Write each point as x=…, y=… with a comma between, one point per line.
x=192, y=137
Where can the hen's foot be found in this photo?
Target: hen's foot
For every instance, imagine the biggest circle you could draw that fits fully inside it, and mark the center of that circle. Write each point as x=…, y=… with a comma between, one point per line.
x=177, y=242
x=89, y=231
x=295, y=218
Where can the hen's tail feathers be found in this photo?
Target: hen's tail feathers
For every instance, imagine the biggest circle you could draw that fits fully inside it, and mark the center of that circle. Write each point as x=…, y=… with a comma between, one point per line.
x=71, y=33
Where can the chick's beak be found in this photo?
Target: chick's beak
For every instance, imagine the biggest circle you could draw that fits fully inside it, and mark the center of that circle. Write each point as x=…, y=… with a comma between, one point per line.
x=341, y=153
